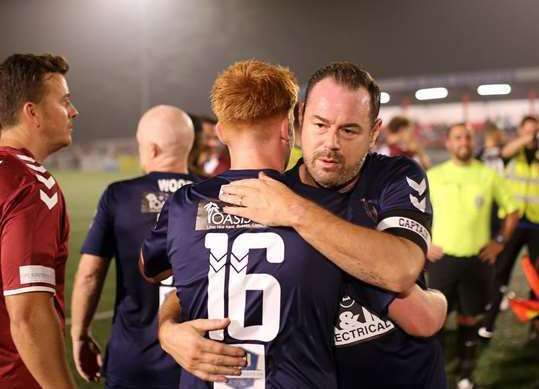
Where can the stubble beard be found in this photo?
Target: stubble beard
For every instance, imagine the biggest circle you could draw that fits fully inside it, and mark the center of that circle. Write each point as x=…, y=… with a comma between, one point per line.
x=464, y=157
x=336, y=178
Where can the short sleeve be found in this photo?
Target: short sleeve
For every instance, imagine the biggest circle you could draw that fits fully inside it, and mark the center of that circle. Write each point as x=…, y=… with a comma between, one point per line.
x=374, y=299
x=30, y=241
x=154, y=248
x=100, y=238
x=503, y=195
x=404, y=207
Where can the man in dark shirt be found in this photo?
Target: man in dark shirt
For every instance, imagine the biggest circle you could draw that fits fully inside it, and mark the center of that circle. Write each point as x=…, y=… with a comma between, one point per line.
x=125, y=214
x=390, y=217
x=336, y=138
x=226, y=266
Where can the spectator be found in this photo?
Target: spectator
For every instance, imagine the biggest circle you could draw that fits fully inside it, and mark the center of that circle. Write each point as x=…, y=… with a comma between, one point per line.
x=401, y=140
x=462, y=191
x=522, y=173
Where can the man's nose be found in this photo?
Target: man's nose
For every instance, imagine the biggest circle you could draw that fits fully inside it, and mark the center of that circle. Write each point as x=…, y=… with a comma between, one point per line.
x=331, y=140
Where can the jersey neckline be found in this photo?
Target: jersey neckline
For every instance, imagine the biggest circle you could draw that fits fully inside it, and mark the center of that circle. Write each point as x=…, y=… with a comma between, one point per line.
x=250, y=173
x=16, y=150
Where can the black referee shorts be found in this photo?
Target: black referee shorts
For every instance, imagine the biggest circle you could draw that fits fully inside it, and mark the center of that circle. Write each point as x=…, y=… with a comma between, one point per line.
x=466, y=283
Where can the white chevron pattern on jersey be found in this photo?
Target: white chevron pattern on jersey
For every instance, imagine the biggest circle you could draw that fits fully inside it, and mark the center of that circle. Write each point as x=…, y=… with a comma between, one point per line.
x=420, y=189
x=48, y=182
x=51, y=201
x=39, y=169
x=25, y=158
x=419, y=204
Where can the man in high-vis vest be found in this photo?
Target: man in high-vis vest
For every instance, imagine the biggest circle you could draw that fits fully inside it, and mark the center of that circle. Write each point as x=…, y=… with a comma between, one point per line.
x=522, y=174
x=462, y=252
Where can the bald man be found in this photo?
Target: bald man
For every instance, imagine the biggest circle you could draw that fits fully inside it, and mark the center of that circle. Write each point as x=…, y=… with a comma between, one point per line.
x=125, y=214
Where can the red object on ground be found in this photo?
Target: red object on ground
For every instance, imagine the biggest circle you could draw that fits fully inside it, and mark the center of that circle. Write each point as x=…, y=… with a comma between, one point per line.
x=526, y=310
x=531, y=274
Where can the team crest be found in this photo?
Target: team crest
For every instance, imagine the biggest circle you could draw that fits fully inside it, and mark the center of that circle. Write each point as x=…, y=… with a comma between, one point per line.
x=369, y=206
x=479, y=201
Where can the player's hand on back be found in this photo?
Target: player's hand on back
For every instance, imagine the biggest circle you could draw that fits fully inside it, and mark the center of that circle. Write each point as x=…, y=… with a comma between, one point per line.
x=206, y=359
x=435, y=253
x=263, y=200
x=87, y=358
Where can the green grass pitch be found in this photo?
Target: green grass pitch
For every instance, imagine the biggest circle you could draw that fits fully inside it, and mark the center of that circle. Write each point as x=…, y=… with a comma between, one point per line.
x=508, y=362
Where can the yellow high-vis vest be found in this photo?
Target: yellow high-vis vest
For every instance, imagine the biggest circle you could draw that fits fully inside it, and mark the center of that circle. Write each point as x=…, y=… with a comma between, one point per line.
x=523, y=180
x=462, y=197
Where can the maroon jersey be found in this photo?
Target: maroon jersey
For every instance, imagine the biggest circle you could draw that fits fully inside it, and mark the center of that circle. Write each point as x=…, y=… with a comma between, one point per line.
x=34, y=231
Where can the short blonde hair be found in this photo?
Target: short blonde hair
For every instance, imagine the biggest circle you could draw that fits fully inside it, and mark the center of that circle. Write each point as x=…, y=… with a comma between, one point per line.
x=251, y=91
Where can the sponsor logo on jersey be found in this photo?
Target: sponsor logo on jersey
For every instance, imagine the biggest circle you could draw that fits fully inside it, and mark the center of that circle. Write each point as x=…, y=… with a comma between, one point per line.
x=152, y=202
x=210, y=216
x=30, y=274
x=171, y=185
x=355, y=324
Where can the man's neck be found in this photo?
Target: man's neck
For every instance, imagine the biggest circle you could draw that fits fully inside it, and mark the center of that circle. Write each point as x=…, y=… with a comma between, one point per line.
x=248, y=161
x=255, y=157
x=460, y=162
x=16, y=138
x=168, y=167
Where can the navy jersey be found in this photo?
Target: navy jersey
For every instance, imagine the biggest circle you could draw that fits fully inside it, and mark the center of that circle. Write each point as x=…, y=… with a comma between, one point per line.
x=391, y=195
x=280, y=294
x=126, y=213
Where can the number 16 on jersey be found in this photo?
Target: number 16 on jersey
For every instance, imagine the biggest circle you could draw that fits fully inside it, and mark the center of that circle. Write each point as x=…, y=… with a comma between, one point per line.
x=240, y=282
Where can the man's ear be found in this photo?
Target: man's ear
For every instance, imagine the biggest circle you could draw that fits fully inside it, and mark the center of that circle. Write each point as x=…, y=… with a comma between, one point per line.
x=301, y=107
x=155, y=150
x=29, y=114
x=375, y=131
x=286, y=131
x=219, y=131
